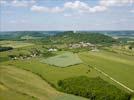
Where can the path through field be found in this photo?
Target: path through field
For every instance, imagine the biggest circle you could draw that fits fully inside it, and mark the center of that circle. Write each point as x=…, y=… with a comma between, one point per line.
x=131, y=90
x=115, y=67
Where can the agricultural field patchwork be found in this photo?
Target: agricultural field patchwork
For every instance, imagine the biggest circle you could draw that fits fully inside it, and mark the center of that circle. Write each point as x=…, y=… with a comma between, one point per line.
x=63, y=60
x=29, y=37
x=30, y=71
x=126, y=50
x=15, y=44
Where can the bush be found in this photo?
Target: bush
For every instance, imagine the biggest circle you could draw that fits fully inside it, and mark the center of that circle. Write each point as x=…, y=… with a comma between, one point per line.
x=5, y=49
x=93, y=88
x=48, y=54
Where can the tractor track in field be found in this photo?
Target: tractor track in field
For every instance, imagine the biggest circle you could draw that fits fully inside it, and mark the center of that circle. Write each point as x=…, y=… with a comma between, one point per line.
x=103, y=73
x=131, y=90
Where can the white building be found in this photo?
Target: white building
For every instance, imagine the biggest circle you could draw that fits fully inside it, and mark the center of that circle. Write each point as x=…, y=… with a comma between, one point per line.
x=51, y=49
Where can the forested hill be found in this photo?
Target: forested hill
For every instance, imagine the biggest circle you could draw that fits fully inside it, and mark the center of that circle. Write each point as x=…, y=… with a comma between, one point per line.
x=61, y=37
x=19, y=34
x=95, y=38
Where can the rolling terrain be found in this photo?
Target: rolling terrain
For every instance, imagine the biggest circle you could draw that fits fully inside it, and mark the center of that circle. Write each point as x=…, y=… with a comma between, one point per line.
x=29, y=71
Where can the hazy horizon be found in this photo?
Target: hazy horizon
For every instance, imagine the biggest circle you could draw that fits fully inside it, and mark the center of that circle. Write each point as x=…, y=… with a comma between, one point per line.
x=43, y=15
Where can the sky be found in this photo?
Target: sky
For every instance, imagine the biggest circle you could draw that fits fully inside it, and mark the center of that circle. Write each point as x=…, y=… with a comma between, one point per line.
x=47, y=15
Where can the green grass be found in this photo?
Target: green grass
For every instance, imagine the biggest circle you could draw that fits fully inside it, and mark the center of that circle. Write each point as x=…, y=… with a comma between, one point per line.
x=63, y=60
x=2, y=59
x=15, y=44
x=27, y=37
x=28, y=86
x=11, y=95
x=26, y=83
x=51, y=73
x=121, y=50
x=118, y=66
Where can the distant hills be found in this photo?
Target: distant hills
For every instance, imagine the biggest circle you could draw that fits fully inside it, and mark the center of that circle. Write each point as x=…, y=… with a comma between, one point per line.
x=19, y=34
x=95, y=38
x=70, y=36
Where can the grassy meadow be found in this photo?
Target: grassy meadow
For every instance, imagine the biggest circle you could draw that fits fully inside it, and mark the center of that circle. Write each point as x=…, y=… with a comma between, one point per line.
x=118, y=66
x=15, y=44
x=63, y=60
x=19, y=81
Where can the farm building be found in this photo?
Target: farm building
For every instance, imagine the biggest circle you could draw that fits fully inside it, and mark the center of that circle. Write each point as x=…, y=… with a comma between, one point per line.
x=51, y=49
x=81, y=45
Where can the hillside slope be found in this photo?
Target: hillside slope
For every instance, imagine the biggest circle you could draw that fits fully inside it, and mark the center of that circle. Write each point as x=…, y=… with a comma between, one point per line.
x=27, y=86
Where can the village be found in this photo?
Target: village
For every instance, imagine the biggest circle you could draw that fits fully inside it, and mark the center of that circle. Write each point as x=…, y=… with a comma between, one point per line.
x=91, y=46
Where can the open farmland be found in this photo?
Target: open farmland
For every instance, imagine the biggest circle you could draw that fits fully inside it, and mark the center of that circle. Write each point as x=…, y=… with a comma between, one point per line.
x=63, y=60
x=29, y=37
x=121, y=50
x=50, y=73
x=118, y=66
x=33, y=72
x=13, y=79
x=15, y=44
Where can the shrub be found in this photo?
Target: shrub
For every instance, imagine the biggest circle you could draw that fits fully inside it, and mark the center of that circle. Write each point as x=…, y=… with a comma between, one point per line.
x=5, y=48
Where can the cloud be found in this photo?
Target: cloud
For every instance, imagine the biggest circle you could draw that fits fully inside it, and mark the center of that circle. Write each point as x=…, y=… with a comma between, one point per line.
x=115, y=2
x=18, y=3
x=43, y=9
x=36, y=8
x=132, y=11
x=56, y=10
x=22, y=21
x=22, y=3
x=3, y=2
x=98, y=9
x=12, y=21
x=82, y=7
x=73, y=6
x=76, y=6
x=67, y=15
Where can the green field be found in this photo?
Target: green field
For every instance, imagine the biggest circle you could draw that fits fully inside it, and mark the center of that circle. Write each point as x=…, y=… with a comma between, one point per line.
x=118, y=66
x=63, y=60
x=37, y=77
x=27, y=86
x=111, y=63
x=29, y=37
x=15, y=44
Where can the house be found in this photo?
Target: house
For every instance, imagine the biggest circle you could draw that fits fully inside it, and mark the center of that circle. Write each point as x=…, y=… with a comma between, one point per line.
x=95, y=50
x=81, y=45
x=51, y=49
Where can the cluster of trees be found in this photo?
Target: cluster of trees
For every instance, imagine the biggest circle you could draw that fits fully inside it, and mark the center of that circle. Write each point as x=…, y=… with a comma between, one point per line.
x=48, y=54
x=92, y=88
x=5, y=48
x=131, y=45
x=44, y=53
x=20, y=55
x=23, y=54
x=95, y=38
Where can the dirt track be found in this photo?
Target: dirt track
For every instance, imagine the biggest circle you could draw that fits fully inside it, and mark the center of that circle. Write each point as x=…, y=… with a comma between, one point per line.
x=131, y=90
